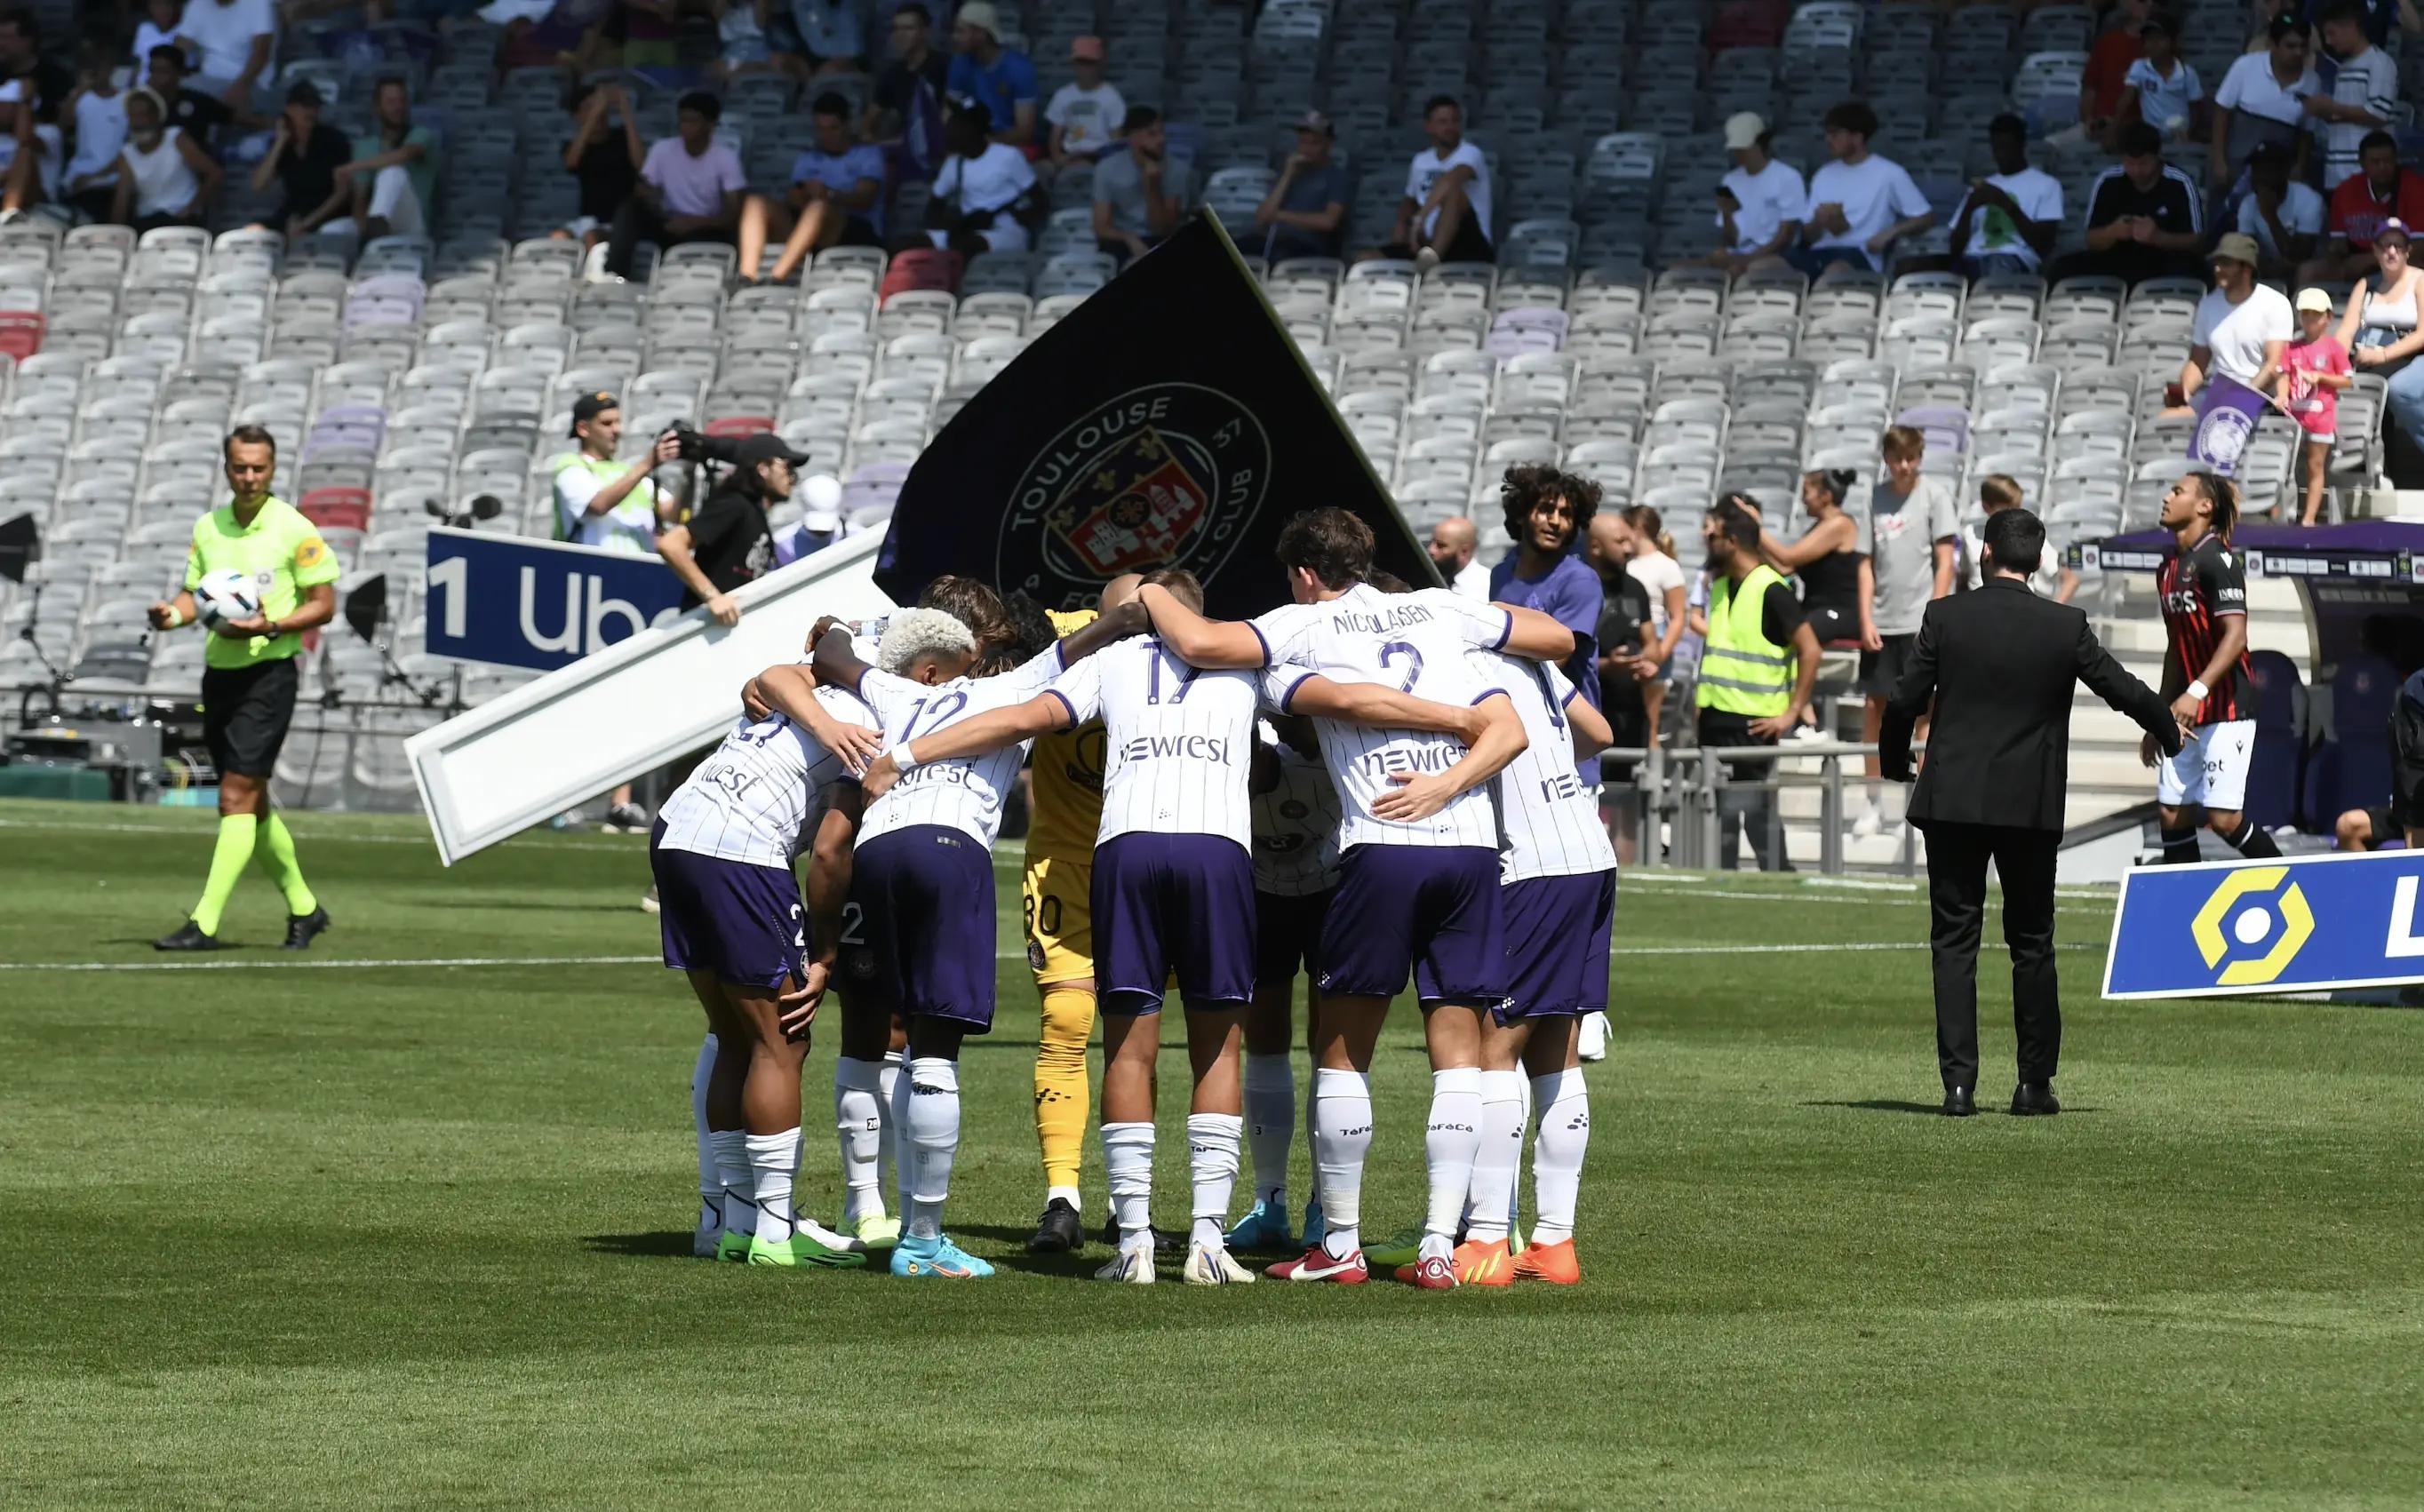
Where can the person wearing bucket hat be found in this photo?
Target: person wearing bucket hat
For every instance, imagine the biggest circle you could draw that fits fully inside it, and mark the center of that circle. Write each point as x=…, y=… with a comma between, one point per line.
x=1002, y=79
x=2242, y=327
x=1084, y=114
x=1759, y=200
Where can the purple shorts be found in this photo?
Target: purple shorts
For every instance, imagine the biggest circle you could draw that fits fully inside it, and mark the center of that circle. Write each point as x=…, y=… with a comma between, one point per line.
x=1557, y=945
x=923, y=904
x=1434, y=910
x=1169, y=905
x=739, y=922
x=1287, y=934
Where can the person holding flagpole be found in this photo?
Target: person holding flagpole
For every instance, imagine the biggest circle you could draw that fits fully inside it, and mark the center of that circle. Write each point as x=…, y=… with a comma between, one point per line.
x=2242, y=330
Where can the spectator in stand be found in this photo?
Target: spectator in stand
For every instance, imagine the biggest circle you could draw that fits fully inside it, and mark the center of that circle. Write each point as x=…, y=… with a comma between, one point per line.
x=2242, y=327
x=997, y=77
x=2382, y=190
x=2104, y=83
x=982, y=190
x=1826, y=559
x=387, y=188
x=2381, y=332
x=2284, y=217
x=2381, y=18
x=1139, y=196
x=1625, y=641
x=1860, y=204
x=2010, y=219
x=2162, y=89
x=603, y=154
x=232, y=40
x=835, y=199
x=651, y=33
x=741, y=33
x=1445, y=216
x=1759, y=200
x=2314, y=370
x=195, y=112
x=690, y=188
x=907, y=112
x=1453, y=545
x=163, y=22
x=164, y=176
x=2363, y=95
x=33, y=91
x=1998, y=492
x=304, y=160
x=2266, y=12
x=2145, y=218
x=1548, y=518
x=1908, y=550
x=1652, y=562
x=825, y=36
x=1305, y=212
x=1082, y=114
x=98, y=109
x=2263, y=100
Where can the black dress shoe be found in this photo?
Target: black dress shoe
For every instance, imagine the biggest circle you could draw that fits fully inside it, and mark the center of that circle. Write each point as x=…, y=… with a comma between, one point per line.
x=1958, y=1104
x=189, y=936
x=1164, y=1241
x=301, y=929
x=1058, y=1233
x=2034, y=1099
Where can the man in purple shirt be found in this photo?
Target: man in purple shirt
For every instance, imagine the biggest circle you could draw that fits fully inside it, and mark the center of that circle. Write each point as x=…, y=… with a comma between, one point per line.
x=1548, y=513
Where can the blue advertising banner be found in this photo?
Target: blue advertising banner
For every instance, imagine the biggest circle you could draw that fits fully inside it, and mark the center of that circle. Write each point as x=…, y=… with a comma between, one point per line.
x=539, y=604
x=2290, y=926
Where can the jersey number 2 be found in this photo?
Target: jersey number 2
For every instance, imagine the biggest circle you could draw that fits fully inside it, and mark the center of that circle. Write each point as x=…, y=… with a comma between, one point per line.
x=1394, y=649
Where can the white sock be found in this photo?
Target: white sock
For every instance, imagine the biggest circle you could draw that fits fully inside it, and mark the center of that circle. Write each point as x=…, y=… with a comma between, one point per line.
x=1515, y=1180
x=772, y=1159
x=1450, y=1140
x=1557, y=1154
x=1064, y=1194
x=710, y=1185
x=1212, y=1160
x=887, y=1149
x=858, y=1120
x=733, y=1179
x=1494, y=1161
x=1342, y=1137
x=932, y=1090
x=1127, y=1160
x=1270, y=1123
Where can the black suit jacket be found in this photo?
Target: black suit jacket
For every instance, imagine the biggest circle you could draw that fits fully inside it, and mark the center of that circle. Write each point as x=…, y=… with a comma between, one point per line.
x=1998, y=664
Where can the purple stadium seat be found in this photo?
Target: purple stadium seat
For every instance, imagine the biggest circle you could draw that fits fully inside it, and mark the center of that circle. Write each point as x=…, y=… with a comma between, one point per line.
x=2277, y=768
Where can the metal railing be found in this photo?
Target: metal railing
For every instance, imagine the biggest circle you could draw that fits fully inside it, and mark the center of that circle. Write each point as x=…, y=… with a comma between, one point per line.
x=1701, y=808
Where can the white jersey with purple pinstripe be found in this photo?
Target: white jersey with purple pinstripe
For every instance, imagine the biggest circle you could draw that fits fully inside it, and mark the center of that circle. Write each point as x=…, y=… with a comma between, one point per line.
x=1296, y=827
x=1415, y=642
x=757, y=797
x=1552, y=820
x=1177, y=742
x=965, y=793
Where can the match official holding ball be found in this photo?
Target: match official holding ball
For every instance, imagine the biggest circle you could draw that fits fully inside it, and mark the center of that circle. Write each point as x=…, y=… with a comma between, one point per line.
x=1997, y=667
x=258, y=576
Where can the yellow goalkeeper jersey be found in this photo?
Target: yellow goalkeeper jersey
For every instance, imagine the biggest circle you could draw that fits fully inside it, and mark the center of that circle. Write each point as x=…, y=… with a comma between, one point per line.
x=1068, y=777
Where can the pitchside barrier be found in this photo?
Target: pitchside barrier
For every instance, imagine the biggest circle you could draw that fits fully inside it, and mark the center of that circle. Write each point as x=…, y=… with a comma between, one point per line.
x=2311, y=924
x=630, y=708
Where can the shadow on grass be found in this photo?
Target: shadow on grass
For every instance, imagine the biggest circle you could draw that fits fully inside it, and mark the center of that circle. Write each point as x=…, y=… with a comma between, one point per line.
x=1883, y=1105
x=667, y=1244
x=1013, y=1256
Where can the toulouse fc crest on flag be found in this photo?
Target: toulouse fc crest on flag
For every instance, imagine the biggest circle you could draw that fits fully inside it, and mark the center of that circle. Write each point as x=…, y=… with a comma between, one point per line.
x=2226, y=417
x=1167, y=421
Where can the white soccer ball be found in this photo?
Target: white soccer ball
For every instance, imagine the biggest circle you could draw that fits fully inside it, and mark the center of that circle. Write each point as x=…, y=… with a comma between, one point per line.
x=226, y=595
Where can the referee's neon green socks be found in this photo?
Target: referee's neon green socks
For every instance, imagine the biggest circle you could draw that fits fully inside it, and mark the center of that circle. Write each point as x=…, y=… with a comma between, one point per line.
x=227, y=865
x=278, y=859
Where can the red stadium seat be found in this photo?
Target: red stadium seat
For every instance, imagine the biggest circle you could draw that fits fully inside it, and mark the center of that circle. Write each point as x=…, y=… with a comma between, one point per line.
x=21, y=333
x=922, y=267
x=338, y=509
x=735, y=427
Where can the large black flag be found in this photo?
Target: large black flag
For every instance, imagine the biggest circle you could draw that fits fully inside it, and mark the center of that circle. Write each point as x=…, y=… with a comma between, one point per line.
x=1168, y=421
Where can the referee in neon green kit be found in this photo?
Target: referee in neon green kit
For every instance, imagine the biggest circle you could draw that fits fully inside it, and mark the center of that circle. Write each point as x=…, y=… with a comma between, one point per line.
x=249, y=680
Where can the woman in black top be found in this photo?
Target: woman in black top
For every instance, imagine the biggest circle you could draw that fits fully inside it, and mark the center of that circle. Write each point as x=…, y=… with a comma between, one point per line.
x=604, y=156
x=1826, y=559
x=303, y=161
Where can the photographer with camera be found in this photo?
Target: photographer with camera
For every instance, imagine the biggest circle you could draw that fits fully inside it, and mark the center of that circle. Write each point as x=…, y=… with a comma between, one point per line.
x=601, y=502
x=727, y=541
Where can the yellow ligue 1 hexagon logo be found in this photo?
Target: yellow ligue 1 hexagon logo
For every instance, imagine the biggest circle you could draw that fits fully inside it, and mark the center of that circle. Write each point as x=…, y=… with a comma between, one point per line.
x=2251, y=924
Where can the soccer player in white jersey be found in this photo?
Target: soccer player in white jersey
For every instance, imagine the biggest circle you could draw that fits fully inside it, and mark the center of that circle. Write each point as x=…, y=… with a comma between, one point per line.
x=1418, y=869
x=1558, y=903
x=1295, y=871
x=722, y=851
x=1172, y=890
x=923, y=879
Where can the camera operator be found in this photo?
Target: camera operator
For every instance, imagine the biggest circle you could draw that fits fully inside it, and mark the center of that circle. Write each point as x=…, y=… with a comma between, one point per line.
x=601, y=502
x=727, y=541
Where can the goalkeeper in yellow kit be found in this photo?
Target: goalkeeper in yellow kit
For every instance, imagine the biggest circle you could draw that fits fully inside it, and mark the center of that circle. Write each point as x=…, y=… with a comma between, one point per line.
x=1067, y=787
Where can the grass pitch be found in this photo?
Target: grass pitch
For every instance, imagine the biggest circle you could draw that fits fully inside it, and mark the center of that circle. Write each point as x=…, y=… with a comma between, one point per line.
x=281, y=1233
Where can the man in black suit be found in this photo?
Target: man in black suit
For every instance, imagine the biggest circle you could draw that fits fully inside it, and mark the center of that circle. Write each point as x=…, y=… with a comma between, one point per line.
x=1997, y=666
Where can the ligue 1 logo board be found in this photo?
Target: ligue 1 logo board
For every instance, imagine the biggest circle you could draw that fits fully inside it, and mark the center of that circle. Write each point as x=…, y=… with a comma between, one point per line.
x=1165, y=475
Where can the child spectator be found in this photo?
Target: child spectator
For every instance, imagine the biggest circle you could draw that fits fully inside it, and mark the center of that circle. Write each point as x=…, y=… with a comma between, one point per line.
x=1998, y=492
x=2314, y=371
x=2163, y=89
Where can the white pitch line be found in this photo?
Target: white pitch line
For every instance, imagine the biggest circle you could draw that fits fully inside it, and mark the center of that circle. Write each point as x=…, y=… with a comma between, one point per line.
x=327, y=965
x=1728, y=949
x=316, y=835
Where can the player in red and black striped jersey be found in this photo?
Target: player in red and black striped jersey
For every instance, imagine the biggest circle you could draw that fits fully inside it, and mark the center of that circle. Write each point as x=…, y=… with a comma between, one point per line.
x=2203, y=590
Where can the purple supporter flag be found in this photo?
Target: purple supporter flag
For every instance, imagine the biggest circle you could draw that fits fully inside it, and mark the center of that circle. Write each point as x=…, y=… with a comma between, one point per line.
x=2227, y=412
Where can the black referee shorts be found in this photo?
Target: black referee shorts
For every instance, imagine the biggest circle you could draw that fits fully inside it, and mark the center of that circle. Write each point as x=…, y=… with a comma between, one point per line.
x=245, y=712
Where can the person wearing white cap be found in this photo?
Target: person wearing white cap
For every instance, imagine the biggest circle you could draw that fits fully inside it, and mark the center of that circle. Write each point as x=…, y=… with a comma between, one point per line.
x=1759, y=199
x=2314, y=370
x=1001, y=79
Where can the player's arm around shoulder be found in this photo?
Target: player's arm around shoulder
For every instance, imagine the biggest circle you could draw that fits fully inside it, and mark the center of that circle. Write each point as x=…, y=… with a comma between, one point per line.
x=1502, y=739
x=1211, y=645
x=1371, y=703
x=1112, y=624
x=1536, y=636
x=981, y=735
